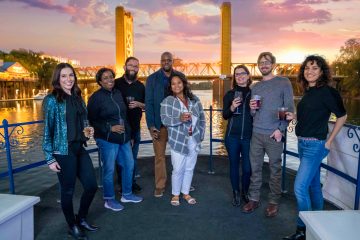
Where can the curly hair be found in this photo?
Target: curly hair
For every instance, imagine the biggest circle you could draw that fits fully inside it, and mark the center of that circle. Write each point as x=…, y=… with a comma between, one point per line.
x=57, y=91
x=246, y=70
x=187, y=92
x=325, y=77
x=101, y=72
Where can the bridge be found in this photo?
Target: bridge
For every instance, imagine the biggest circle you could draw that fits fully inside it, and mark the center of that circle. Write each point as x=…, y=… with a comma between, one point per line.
x=193, y=71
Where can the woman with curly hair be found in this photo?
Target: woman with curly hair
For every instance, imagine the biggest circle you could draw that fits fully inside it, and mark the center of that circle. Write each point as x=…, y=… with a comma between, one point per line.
x=183, y=115
x=313, y=113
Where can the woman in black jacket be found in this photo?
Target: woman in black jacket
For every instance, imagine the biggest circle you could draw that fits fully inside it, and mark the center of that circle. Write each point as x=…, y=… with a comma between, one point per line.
x=238, y=132
x=107, y=114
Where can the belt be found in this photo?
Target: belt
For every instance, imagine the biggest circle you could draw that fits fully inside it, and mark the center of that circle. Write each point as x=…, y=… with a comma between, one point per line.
x=308, y=138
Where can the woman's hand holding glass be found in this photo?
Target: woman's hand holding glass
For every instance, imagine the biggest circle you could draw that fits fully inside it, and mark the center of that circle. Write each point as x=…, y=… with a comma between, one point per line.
x=88, y=130
x=185, y=117
x=235, y=103
x=119, y=128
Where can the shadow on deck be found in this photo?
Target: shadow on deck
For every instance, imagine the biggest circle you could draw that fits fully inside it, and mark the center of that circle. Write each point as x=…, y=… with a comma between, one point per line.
x=212, y=218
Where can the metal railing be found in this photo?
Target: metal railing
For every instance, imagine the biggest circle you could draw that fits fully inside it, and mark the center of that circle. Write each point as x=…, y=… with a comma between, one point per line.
x=9, y=142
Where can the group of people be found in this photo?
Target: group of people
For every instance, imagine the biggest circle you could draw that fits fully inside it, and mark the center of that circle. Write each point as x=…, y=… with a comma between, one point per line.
x=175, y=115
x=258, y=117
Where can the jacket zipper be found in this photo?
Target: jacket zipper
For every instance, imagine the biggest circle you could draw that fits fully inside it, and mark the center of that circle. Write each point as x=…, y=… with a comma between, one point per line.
x=118, y=107
x=243, y=119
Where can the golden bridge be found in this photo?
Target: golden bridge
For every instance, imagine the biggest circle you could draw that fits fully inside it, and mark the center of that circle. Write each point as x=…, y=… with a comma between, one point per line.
x=193, y=71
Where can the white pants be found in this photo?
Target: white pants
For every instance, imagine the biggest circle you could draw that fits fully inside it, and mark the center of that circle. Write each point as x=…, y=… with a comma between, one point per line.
x=183, y=169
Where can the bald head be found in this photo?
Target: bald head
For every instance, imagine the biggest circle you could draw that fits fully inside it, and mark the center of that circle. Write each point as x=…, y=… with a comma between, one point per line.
x=166, y=61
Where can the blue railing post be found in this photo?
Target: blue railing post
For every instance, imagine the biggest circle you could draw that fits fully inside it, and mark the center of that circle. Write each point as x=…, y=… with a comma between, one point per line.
x=8, y=156
x=357, y=192
x=283, y=177
x=211, y=171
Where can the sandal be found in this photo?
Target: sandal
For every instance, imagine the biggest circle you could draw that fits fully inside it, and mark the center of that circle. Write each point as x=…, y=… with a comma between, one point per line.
x=190, y=200
x=175, y=201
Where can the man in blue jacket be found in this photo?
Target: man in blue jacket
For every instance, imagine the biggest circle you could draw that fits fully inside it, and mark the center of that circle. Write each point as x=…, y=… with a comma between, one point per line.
x=155, y=91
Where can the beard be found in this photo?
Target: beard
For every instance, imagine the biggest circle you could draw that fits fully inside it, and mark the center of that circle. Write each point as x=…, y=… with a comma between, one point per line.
x=266, y=72
x=130, y=75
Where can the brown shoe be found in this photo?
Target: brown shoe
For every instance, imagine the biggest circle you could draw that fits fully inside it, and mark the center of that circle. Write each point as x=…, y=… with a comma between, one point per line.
x=159, y=192
x=250, y=206
x=272, y=210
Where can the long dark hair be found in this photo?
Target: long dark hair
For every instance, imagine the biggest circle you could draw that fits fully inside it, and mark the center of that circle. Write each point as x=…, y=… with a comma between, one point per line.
x=325, y=77
x=234, y=84
x=186, y=90
x=57, y=91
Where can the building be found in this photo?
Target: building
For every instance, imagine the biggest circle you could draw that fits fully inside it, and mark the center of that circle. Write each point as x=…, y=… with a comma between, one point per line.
x=16, y=81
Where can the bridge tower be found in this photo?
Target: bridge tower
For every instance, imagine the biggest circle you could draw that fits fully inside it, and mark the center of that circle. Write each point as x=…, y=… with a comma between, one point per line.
x=226, y=38
x=124, y=38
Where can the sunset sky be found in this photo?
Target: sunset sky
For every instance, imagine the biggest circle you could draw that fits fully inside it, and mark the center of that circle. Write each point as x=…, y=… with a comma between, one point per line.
x=84, y=30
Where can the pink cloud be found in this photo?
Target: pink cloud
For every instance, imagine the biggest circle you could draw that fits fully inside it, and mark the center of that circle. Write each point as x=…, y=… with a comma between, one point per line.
x=48, y=5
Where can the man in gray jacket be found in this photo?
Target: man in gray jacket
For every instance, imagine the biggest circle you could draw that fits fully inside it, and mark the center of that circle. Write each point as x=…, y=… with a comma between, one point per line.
x=273, y=92
x=155, y=91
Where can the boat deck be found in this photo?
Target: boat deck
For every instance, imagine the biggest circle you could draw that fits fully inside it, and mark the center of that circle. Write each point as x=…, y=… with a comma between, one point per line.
x=213, y=217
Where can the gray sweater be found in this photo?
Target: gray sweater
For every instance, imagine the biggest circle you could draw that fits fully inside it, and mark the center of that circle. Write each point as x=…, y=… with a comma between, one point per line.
x=276, y=92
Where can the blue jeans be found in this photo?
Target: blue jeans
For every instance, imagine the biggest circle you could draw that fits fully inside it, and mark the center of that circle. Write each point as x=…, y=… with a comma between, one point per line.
x=307, y=185
x=236, y=146
x=122, y=155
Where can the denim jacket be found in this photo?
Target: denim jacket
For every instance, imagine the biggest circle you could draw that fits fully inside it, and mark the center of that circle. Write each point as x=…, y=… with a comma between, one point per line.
x=55, y=128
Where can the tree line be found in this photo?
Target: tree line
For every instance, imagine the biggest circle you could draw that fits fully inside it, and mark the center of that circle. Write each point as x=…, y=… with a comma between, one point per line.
x=34, y=63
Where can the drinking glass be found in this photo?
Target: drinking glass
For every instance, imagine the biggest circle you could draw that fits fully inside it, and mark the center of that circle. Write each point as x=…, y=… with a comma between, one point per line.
x=87, y=128
x=129, y=99
x=282, y=113
x=122, y=123
x=239, y=95
x=257, y=98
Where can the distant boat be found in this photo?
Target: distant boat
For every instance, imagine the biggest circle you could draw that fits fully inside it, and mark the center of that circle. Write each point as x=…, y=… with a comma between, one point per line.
x=40, y=95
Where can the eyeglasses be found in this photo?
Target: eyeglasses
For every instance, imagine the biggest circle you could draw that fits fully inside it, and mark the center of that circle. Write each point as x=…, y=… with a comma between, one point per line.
x=265, y=63
x=241, y=74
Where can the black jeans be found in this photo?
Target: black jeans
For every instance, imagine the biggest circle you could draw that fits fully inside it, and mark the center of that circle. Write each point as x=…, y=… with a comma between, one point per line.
x=76, y=164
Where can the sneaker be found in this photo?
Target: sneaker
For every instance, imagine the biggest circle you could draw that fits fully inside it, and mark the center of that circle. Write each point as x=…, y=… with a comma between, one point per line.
x=113, y=205
x=131, y=198
x=137, y=175
x=192, y=188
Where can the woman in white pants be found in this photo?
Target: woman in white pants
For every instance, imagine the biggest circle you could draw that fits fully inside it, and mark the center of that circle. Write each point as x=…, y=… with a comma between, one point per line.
x=183, y=115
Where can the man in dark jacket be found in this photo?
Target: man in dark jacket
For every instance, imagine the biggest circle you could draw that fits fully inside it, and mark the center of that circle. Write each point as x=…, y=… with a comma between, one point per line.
x=133, y=92
x=155, y=91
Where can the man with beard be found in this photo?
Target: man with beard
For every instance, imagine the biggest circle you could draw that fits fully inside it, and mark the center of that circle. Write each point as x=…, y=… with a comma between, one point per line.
x=130, y=86
x=155, y=91
x=273, y=92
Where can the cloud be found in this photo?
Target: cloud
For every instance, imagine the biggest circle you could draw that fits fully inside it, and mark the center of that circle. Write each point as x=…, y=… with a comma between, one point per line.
x=48, y=5
x=101, y=41
x=93, y=12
